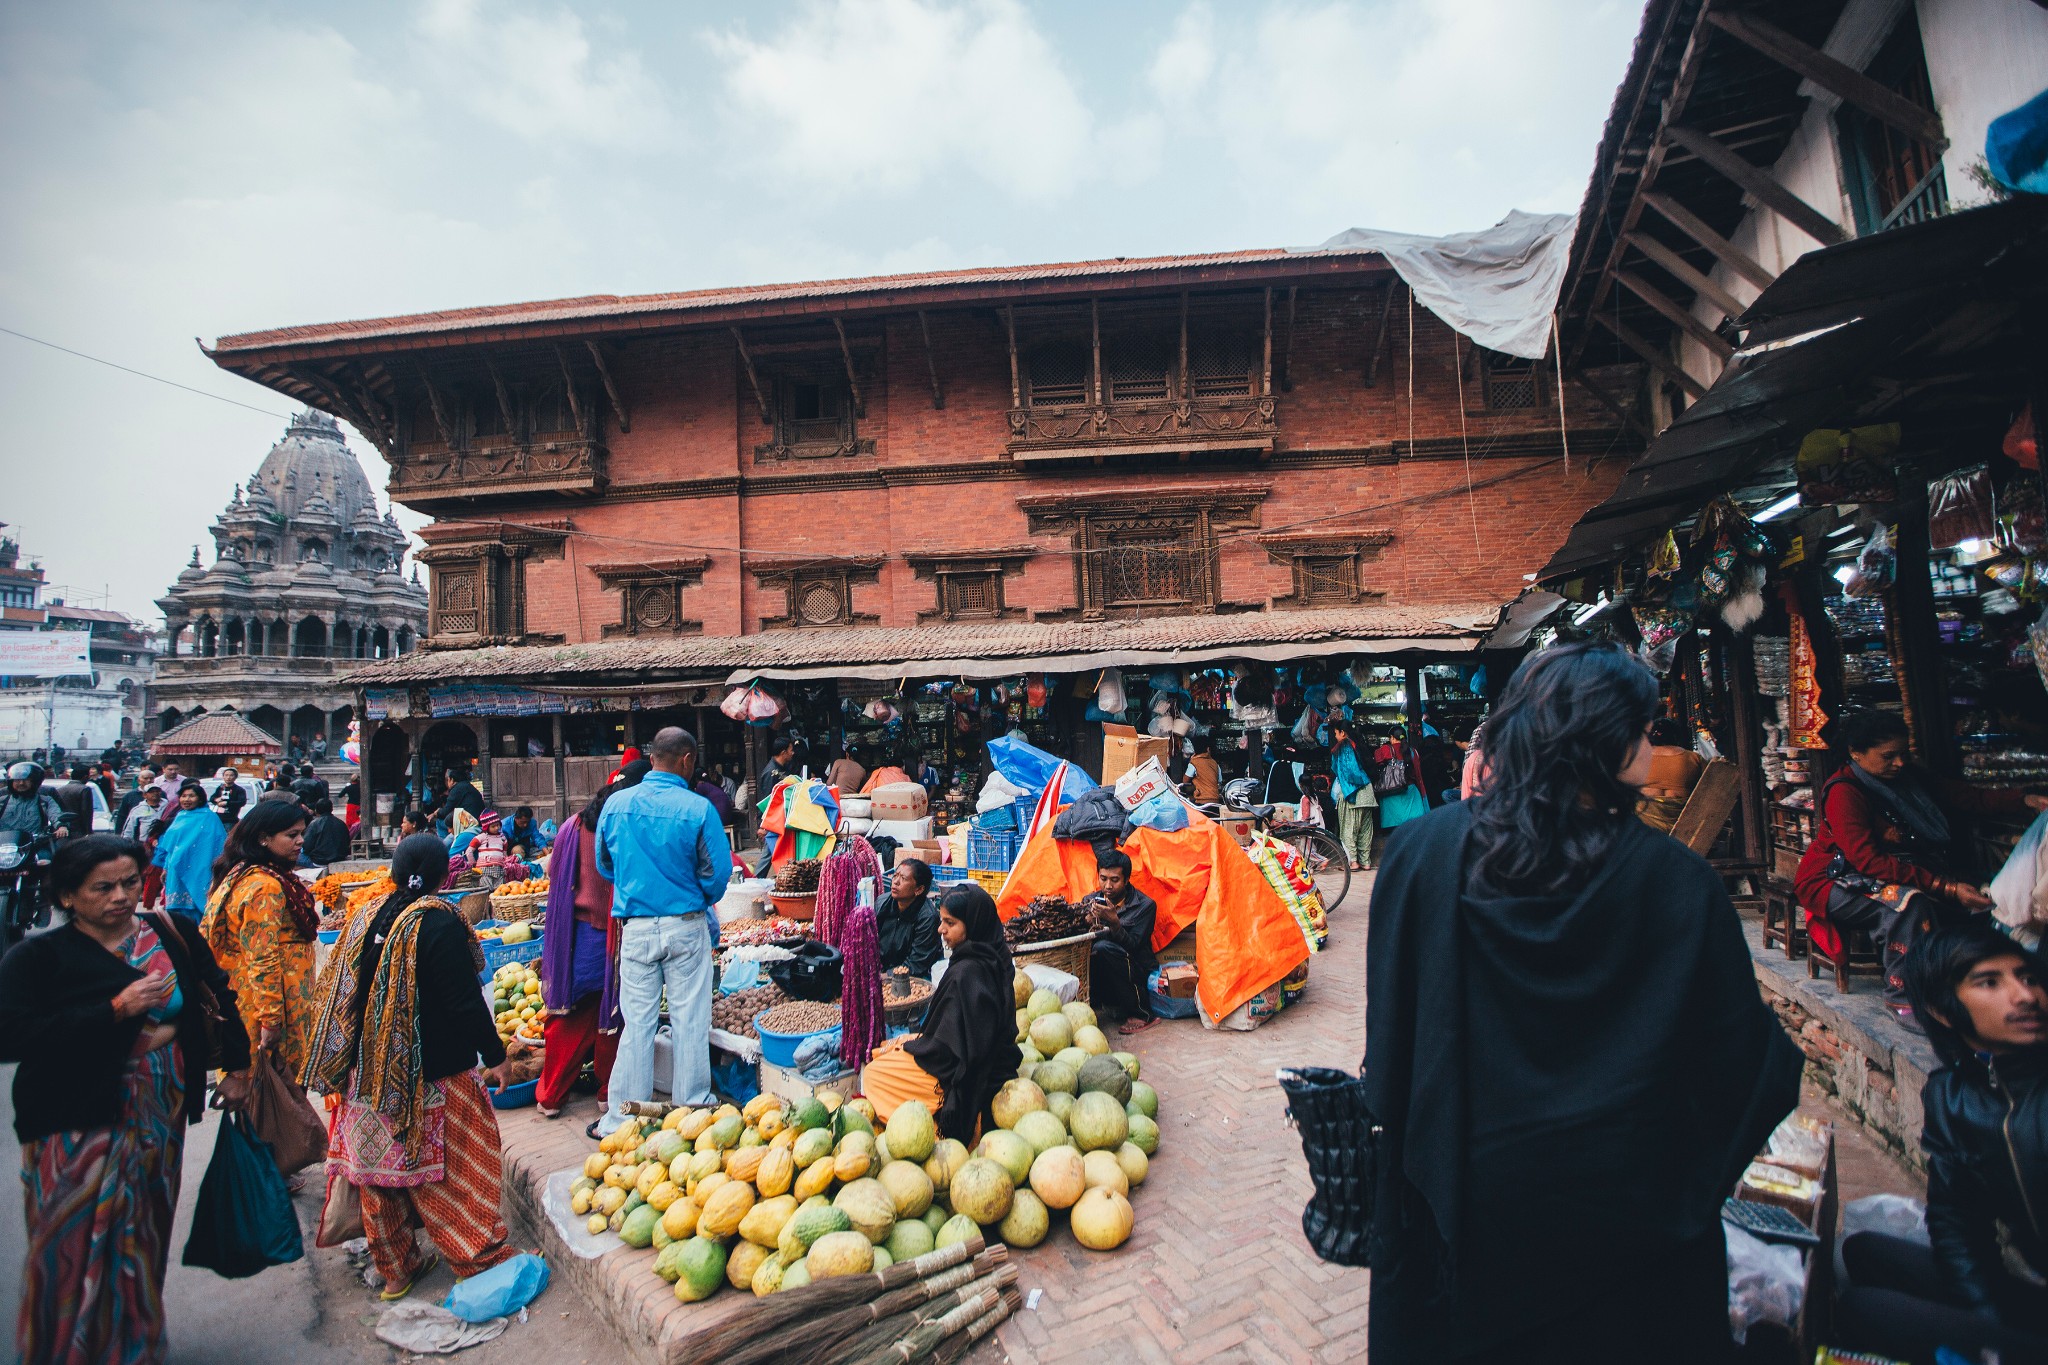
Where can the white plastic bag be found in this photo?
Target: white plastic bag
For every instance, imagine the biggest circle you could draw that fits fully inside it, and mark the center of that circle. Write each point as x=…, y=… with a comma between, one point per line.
x=1109, y=693
x=2019, y=892
x=1765, y=1282
x=1063, y=984
x=427, y=1329
x=1892, y=1214
x=997, y=792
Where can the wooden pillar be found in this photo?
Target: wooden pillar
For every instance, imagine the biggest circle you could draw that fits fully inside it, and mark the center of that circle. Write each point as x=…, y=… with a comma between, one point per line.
x=1916, y=649
x=1739, y=653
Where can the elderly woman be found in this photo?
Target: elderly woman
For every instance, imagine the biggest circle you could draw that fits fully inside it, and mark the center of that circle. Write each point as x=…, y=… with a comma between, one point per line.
x=116, y=1018
x=185, y=850
x=1881, y=859
x=402, y=1029
x=261, y=923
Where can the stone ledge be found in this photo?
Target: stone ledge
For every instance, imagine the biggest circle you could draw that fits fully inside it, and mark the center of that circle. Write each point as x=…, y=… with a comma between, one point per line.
x=1855, y=1050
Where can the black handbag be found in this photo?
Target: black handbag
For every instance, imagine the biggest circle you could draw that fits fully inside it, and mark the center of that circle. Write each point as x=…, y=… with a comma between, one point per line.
x=1340, y=1138
x=813, y=974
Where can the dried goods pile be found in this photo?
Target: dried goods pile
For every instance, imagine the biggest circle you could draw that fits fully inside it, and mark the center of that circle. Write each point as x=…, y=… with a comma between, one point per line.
x=802, y=1016
x=759, y=933
x=735, y=1013
x=1045, y=919
x=918, y=991
x=799, y=878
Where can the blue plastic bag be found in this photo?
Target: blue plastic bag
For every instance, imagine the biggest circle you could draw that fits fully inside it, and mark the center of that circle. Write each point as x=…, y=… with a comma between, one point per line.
x=499, y=1292
x=1164, y=812
x=244, y=1221
x=1032, y=768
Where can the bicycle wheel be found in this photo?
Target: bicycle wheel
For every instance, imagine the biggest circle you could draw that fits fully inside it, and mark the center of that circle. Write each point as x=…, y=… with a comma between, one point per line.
x=1326, y=858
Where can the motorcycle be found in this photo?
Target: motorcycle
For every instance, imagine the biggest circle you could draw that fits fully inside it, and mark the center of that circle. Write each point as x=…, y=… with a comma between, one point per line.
x=23, y=860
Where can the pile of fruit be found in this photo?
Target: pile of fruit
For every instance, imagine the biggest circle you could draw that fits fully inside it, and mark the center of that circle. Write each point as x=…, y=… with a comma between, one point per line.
x=519, y=931
x=799, y=878
x=1044, y=920
x=735, y=1013
x=516, y=1003
x=532, y=886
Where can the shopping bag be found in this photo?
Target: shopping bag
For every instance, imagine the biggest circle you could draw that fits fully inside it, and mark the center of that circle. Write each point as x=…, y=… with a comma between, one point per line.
x=341, y=1211
x=280, y=1114
x=499, y=1292
x=1340, y=1139
x=243, y=1221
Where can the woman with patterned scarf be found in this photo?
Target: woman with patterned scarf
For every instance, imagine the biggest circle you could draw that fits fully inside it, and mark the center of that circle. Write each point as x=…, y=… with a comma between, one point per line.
x=402, y=1027
x=261, y=922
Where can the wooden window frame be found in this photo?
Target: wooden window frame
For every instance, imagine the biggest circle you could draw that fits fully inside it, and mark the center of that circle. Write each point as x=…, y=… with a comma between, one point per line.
x=1327, y=569
x=642, y=584
x=950, y=572
x=787, y=583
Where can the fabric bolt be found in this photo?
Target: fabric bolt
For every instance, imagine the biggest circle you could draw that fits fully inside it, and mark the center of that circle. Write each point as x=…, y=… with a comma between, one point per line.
x=258, y=944
x=892, y=1078
x=100, y=1205
x=672, y=953
x=663, y=849
x=573, y=1039
x=460, y=1211
x=185, y=851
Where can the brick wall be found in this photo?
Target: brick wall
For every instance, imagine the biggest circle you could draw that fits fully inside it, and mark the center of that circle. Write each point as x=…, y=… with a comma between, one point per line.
x=685, y=479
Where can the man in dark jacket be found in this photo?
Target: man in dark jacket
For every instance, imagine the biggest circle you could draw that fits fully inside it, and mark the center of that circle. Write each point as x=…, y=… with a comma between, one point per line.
x=1983, y=1000
x=327, y=838
x=907, y=920
x=311, y=788
x=75, y=797
x=462, y=794
x=1120, y=974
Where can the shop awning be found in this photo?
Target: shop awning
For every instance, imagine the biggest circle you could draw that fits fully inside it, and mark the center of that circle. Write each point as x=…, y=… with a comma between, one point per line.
x=960, y=650
x=1925, y=325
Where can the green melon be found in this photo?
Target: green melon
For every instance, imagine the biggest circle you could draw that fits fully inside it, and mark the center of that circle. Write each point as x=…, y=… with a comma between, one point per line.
x=1104, y=1075
x=700, y=1269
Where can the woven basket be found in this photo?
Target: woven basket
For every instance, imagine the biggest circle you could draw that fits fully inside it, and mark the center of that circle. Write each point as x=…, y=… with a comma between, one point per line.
x=518, y=907
x=1069, y=955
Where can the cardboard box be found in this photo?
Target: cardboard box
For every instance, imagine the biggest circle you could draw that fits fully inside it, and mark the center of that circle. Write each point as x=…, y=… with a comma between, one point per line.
x=1238, y=827
x=1124, y=749
x=899, y=801
x=1177, y=980
x=1141, y=784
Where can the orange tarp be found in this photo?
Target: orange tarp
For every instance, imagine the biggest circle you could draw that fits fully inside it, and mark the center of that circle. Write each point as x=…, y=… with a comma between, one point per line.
x=1245, y=938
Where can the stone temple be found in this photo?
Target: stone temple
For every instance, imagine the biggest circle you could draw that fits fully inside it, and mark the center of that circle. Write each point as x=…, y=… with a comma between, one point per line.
x=307, y=580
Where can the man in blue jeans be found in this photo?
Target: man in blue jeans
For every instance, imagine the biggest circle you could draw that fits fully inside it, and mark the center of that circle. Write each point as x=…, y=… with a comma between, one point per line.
x=667, y=856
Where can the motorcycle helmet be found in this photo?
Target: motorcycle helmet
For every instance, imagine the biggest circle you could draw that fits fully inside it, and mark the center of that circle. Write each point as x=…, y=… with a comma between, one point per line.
x=31, y=773
x=1241, y=792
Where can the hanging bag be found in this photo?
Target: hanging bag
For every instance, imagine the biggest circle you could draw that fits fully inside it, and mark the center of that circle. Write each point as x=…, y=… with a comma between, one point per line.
x=280, y=1114
x=243, y=1222
x=1340, y=1139
x=1393, y=778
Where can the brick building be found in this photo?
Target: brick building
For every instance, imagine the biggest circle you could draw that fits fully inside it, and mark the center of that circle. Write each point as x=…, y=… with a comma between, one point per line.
x=966, y=474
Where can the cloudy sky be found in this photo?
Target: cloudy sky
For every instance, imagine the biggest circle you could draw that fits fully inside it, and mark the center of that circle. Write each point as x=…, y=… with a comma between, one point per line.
x=179, y=170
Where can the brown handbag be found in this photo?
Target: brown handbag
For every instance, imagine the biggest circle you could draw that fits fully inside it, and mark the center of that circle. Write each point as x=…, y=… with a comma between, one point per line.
x=279, y=1113
x=341, y=1211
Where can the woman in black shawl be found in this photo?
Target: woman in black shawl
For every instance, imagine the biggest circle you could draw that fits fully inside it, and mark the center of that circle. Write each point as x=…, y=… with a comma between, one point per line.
x=1567, y=1051
x=967, y=1046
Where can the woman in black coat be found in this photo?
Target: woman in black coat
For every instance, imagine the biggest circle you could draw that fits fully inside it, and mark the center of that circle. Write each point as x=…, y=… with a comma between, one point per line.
x=115, y=1018
x=1566, y=1050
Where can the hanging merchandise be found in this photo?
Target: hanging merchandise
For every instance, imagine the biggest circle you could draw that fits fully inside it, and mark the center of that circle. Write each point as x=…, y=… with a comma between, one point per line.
x=1730, y=577
x=1876, y=566
x=1806, y=716
x=1661, y=629
x=2022, y=444
x=1110, y=702
x=2037, y=641
x=1664, y=557
x=752, y=705
x=1959, y=508
x=1848, y=466
x=1036, y=692
x=2023, y=518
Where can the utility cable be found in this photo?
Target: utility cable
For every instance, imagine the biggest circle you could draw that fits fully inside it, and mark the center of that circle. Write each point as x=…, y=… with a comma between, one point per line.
x=140, y=374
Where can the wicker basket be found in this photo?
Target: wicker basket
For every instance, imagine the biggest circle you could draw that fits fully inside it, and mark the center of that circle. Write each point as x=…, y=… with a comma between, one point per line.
x=518, y=907
x=1069, y=955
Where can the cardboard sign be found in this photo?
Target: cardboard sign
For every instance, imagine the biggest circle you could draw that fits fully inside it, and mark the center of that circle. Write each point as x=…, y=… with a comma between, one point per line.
x=1142, y=783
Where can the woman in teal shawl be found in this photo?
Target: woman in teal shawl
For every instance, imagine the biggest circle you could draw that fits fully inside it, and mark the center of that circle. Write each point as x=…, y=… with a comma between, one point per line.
x=185, y=850
x=1351, y=787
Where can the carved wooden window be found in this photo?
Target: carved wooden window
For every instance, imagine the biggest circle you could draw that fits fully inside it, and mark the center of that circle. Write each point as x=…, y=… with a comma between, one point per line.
x=1058, y=372
x=651, y=595
x=820, y=601
x=458, y=598
x=551, y=409
x=816, y=594
x=815, y=411
x=1326, y=569
x=971, y=596
x=1510, y=381
x=1148, y=562
x=1327, y=580
x=484, y=417
x=1222, y=364
x=1137, y=368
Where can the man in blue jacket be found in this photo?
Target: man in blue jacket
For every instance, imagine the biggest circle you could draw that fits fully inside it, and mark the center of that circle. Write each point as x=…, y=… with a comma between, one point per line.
x=667, y=856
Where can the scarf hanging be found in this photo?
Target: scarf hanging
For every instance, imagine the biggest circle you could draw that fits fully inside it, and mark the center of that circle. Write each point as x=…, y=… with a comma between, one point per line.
x=299, y=903
x=558, y=928
x=1908, y=801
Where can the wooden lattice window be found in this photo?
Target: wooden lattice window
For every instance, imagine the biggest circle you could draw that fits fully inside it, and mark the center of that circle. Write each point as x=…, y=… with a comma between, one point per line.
x=816, y=593
x=815, y=411
x=1145, y=562
x=971, y=596
x=651, y=595
x=1137, y=369
x=1058, y=372
x=1326, y=569
x=820, y=601
x=458, y=598
x=1329, y=579
x=1510, y=381
x=1221, y=365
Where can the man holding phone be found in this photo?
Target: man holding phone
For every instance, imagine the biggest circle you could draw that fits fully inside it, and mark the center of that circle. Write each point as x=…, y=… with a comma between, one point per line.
x=1120, y=972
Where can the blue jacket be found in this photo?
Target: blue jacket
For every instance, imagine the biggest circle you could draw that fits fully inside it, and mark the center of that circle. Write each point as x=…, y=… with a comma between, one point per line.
x=663, y=848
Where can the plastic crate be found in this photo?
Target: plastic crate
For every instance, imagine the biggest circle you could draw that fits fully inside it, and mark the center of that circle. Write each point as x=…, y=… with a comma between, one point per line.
x=944, y=874
x=497, y=955
x=991, y=852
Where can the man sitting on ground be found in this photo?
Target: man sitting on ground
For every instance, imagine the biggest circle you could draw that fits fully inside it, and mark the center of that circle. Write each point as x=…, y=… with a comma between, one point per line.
x=907, y=920
x=1984, y=1281
x=1120, y=975
x=327, y=838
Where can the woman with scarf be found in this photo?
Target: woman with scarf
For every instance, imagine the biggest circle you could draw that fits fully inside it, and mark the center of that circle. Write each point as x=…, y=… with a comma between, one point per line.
x=261, y=923
x=1566, y=1053
x=462, y=830
x=1357, y=803
x=579, y=964
x=115, y=1018
x=967, y=1045
x=401, y=1032
x=185, y=851
x=1881, y=859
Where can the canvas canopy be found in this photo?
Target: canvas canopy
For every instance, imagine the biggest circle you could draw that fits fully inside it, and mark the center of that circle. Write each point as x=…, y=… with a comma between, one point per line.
x=1245, y=937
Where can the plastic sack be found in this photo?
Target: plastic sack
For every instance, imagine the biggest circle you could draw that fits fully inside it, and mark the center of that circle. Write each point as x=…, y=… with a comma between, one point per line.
x=425, y=1330
x=1891, y=1214
x=1165, y=812
x=734, y=706
x=1065, y=985
x=1032, y=769
x=1765, y=1283
x=244, y=1221
x=1959, y=508
x=499, y=1292
x=999, y=792
x=2019, y=893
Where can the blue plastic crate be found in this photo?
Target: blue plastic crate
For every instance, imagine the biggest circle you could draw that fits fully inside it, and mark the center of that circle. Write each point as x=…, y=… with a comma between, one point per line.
x=991, y=852
x=497, y=955
x=946, y=873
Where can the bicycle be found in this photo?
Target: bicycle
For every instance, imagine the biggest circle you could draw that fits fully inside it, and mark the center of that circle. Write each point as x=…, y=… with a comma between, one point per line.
x=1321, y=851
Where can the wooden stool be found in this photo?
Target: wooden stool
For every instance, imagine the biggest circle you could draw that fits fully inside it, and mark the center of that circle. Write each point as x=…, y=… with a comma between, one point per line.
x=1784, y=923
x=1860, y=956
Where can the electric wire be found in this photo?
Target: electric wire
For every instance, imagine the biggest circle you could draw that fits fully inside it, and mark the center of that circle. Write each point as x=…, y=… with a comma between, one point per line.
x=143, y=374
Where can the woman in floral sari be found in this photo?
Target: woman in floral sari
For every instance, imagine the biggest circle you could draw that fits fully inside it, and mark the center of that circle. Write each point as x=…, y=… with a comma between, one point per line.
x=402, y=1027
x=108, y=1016
x=261, y=923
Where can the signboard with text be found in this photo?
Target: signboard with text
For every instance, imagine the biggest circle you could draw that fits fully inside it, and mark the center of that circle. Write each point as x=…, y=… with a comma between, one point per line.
x=45, y=653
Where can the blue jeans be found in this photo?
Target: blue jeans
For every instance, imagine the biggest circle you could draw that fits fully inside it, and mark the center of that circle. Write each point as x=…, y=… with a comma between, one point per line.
x=656, y=952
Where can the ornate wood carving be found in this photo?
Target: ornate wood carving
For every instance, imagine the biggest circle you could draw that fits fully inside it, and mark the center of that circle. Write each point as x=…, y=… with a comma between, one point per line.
x=1146, y=423
x=498, y=464
x=1326, y=565
x=967, y=585
x=773, y=452
x=1146, y=553
x=817, y=592
x=651, y=594
x=611, y=390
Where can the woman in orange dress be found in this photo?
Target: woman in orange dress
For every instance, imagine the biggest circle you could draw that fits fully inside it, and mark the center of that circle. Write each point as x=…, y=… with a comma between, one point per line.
x=261, y=923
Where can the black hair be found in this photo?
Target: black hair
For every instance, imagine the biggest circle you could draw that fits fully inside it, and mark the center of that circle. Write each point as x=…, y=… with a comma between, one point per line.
x=1114, y=860
x=323, y=806
x=1935, y=967
x=418, y=868
x=781, y=743
x=1859, y=731
x=920, y=870
x=1562, y=733
x=245, y=840
x=1201, y=744
x=523, y=813
x=1669, y=732
x=417, y=818
x=76, y=860
x=153, y=768
x=971, y=904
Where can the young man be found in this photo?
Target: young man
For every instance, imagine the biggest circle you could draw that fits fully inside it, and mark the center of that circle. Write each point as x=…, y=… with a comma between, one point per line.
x=311, y=788
x=907, y=920
x=669, y=862
x=1984, y=1281
x=524, y=833
x=1120, y=976
x=1205, y=775
x=781, y=763
x=327, y=838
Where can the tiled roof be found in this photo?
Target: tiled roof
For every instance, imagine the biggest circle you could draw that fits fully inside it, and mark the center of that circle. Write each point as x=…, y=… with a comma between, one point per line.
x=940, y=647
x=600, y=306
x=218, y=732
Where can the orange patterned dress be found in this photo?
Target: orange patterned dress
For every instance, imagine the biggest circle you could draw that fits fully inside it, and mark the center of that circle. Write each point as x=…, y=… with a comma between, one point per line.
x=252, y=934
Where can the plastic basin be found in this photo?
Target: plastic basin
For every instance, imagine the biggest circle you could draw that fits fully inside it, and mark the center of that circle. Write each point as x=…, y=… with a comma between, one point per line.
x=780, y=1048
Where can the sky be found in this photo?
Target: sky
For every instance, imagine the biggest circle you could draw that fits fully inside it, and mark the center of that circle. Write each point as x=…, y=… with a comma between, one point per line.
x=178, y=171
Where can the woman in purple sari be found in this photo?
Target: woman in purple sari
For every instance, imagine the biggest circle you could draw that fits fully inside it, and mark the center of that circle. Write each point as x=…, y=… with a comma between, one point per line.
x=579, y=963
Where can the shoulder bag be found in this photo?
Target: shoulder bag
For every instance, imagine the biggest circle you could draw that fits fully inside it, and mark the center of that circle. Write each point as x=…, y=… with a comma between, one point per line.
x=1340, y=1138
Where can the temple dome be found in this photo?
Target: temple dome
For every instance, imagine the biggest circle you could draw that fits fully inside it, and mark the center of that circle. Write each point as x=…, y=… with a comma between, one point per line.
x=312, y=464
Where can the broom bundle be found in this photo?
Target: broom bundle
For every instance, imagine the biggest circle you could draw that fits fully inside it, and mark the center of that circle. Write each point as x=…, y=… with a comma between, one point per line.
x=960, y=1343
x=781, y=1311
x=812, y=1342
x=848, y=1350
x=921, y=1340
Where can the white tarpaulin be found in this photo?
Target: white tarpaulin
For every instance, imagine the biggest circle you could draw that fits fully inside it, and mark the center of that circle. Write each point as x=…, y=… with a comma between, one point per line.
x=45, y=653
x=1498, y=286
